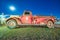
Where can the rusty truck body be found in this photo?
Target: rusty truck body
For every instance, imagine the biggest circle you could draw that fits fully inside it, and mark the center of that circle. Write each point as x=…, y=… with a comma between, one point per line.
x=28, y=19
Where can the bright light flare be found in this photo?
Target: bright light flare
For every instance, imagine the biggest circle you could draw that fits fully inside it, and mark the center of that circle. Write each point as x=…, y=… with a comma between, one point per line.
x=12, y=8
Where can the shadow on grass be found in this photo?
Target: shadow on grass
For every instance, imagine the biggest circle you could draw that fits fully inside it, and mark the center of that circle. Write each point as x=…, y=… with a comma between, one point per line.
x=32, y=27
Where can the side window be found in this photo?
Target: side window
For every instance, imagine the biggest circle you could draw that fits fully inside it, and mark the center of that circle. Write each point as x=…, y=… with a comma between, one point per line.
x=27, y=13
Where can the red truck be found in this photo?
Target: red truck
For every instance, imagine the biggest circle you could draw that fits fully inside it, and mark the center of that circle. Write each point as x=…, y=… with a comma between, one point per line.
x=28, y=19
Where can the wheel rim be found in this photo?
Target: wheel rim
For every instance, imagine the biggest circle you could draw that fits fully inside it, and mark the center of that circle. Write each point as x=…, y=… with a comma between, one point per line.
x=11, y=23
x=50, y=24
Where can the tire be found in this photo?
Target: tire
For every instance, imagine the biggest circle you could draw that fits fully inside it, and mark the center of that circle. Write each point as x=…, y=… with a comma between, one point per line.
x=50, y=24
x=11, y=24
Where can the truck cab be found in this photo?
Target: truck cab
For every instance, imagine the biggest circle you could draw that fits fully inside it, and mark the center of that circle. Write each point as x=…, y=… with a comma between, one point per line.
x=26, y=18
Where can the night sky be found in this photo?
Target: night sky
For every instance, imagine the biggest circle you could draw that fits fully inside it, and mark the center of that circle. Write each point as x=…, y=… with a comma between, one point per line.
x=38, y=7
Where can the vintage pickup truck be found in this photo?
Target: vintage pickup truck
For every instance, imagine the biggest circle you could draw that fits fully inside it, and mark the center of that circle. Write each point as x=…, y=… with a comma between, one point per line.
x=28, y=19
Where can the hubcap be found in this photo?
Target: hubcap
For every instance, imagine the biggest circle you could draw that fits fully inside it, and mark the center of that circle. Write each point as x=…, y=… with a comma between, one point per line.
x=11, y=23
x=50, y=24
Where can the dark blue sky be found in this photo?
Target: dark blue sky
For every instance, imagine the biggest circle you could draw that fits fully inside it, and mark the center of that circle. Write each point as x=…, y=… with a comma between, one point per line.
x=38, y=7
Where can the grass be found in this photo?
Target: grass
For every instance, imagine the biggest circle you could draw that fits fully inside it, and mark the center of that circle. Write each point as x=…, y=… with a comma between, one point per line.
x=29, y=33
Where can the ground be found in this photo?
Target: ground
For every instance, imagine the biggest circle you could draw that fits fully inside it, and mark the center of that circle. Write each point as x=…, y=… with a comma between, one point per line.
x=29, y=33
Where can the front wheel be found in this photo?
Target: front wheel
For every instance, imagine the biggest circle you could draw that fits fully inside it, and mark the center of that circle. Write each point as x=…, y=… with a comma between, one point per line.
x=11, y=23
x=50, y=24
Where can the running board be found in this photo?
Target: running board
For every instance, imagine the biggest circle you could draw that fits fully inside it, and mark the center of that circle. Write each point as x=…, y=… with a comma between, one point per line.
x=33, y=24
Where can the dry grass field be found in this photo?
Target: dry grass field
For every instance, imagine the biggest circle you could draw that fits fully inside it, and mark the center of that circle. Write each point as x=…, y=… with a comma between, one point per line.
x=29, y=33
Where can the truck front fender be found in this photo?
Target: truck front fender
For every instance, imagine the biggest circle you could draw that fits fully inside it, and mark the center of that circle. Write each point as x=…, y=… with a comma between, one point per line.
x=16, y=19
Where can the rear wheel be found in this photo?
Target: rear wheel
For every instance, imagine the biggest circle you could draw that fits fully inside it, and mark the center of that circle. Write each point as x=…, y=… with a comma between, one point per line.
x=50, y=24
x=11, y=23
